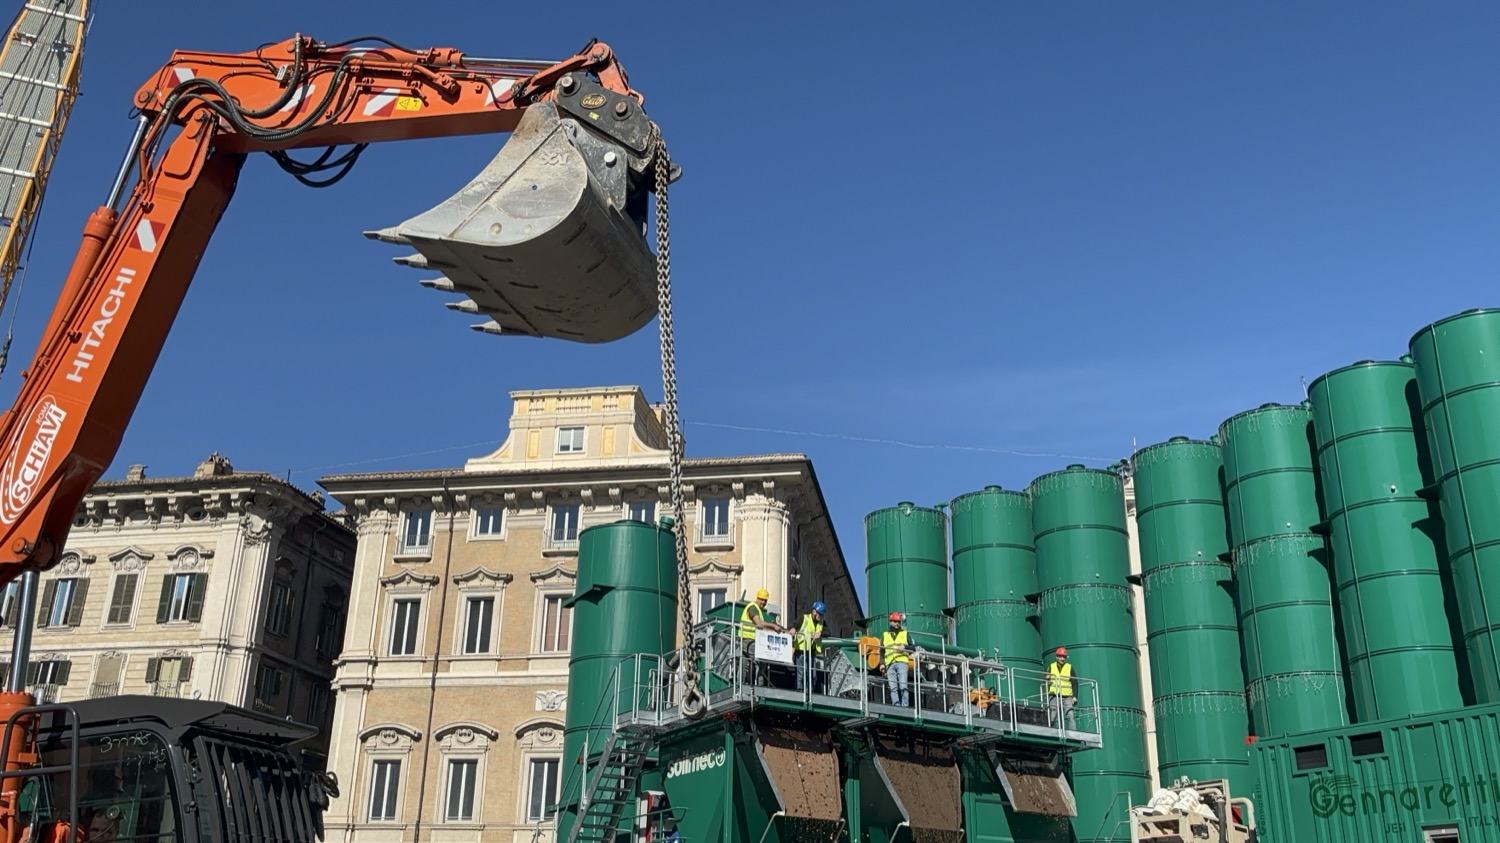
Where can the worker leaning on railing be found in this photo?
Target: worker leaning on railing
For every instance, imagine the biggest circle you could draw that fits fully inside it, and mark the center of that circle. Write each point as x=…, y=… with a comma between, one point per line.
x=753, y=617
x=809, y=638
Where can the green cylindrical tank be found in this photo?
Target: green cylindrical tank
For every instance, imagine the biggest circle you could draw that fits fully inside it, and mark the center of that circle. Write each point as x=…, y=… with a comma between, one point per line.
x=1197, y=681
x=994, y=568
x=1381, y=538
x=907, y=568
x=1083, y=565
x=1458, y=380
x=1294, y=675
x=624, y=604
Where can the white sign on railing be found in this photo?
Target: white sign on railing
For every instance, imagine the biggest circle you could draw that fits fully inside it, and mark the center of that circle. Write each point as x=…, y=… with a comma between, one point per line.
x=773, y=646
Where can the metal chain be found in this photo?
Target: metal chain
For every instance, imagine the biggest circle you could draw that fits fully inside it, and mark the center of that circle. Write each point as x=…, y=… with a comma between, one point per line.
x=691, y=703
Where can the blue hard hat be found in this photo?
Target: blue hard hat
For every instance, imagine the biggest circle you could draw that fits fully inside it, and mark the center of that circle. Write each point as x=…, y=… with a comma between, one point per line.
x=819, y=607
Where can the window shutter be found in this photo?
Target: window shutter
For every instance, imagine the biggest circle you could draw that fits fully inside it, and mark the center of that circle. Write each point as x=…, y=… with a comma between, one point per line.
x=10, y=608
x=4, y=671
x=195, y=597
x=80, y=598
x=153, y=669
x=185, y=669
x=64, y=670
x=165, y=606
x=31, y=672
x=44, y=611
x=123, y=598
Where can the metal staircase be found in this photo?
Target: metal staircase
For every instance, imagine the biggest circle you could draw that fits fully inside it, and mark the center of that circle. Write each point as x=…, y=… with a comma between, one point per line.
x=610, y=787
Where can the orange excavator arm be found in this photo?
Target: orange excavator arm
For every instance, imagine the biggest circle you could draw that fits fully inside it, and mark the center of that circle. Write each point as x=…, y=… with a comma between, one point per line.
x=203, y=113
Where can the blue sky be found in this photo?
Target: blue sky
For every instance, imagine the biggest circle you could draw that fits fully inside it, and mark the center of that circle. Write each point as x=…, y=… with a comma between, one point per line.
x=1020, y=234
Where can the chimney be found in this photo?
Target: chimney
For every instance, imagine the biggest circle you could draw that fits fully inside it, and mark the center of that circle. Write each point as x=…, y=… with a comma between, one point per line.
x=135, y=473
x=215, y=466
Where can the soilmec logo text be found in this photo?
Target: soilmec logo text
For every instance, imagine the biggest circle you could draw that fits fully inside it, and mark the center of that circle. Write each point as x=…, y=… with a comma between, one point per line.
x=696, y=763
x=24, y=470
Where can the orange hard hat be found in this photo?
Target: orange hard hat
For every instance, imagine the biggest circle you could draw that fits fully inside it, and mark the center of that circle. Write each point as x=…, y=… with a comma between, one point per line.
x=1062, y=651
x=896, y=617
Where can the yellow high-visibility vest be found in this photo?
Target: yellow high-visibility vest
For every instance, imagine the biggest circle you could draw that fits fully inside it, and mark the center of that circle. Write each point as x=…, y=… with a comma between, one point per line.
x=805, y=635
x=889, y=641
x=1062, y=680
x=747, y=623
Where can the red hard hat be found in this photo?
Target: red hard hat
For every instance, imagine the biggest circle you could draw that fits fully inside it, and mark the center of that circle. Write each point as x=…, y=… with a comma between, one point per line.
x=1062, y=651
x=896, y=617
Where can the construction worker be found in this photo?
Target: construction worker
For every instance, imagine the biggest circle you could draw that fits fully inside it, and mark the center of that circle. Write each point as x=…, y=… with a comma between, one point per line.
x=895, y=654
x=1062, y=687
x=810, y=639
x=753, y=617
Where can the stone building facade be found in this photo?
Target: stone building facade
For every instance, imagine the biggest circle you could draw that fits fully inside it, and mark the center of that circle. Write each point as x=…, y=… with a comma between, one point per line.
x=225, y=586
x=452, y=689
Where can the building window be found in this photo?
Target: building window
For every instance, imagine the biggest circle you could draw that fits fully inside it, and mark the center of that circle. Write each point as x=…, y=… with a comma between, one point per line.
x=62, y=602
x=715, y=521
x=267, y=687
x=642, y=511
x=488, y=521
x=710, y=599
x=50, y=672
x=107, y=676
x=330, y=630
x=564, y=530
x=181, y=598
x=461, y=778
x=479, y=621
x=122, y=599
x=404, y=616
x=416, y=531
x=542, y=789
x=384, y=789
x=317, y=703
x=279, y=609
x=570, y=440
x=557, y=624
x=8, y=601
x=167, y=676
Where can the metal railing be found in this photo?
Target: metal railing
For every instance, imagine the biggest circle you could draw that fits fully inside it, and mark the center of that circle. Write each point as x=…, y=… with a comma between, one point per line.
x=167, y=688
x=551, y=541
x=103, y=689
x=414, y=545
x=45, y=694
x=946, y=686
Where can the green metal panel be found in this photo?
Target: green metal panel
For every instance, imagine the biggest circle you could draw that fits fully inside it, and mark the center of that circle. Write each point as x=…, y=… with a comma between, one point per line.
x=907, y=566
x=988, y=818
x=1292, y=665
x=994, y=569
x=1083, y=565
x=1385, y=782
x=1458, y=378
x=1381, y=538
x=624, y=604
x=1197, y=681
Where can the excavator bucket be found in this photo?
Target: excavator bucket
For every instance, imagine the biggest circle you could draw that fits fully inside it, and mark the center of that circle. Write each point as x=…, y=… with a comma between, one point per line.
x=549, y=240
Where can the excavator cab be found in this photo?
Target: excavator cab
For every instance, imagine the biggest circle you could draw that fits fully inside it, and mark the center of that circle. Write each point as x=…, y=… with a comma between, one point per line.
x=550, y=240
x=163, y=770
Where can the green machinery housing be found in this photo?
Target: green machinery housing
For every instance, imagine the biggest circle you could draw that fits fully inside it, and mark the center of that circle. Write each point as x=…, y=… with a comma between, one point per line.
x=1384, y=541
x=994, y=576
x=1085, y=598
x=1295, y=679
x=907, y=568
x=1197, y=677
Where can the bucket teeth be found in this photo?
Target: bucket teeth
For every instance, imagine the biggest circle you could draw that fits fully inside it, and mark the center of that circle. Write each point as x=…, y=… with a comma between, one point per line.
x=490, y=327
x=438, y=283
x=548, y=240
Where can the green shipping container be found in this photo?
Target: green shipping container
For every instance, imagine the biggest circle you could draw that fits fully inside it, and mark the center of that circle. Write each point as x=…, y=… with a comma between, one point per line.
x=1197, y=681
x=624, y=604
x=1384, y=542
x=994, y=569
x=1293, y=667
x=1458, y=378
x=906, y=549
x=1083, y=570
x=1434, y=778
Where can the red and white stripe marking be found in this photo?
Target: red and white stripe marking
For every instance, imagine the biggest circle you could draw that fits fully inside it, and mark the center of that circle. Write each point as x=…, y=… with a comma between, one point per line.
x=382, y=104
x=184, y=74
x=147, y=235
x=499, y=91
x=297, y=99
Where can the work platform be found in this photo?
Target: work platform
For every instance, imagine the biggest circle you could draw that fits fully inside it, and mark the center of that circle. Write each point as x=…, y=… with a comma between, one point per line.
x=974, y=700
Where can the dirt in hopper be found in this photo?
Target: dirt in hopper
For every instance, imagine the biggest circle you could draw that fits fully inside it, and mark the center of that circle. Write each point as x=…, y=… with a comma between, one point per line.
x=1037, y=788
x=926, y=780
x=805, y=769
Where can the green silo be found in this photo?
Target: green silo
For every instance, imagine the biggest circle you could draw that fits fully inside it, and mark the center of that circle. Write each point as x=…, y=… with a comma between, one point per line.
x=1458, y=380
x=1197, y=681
x=1083, y=562
x=1381, y=538
x=1295, y=679
x=994, y=569
x=906, y=551
x=624, y=603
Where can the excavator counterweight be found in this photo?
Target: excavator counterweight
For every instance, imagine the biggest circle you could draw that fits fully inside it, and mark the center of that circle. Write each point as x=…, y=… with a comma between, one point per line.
x=550, y=239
